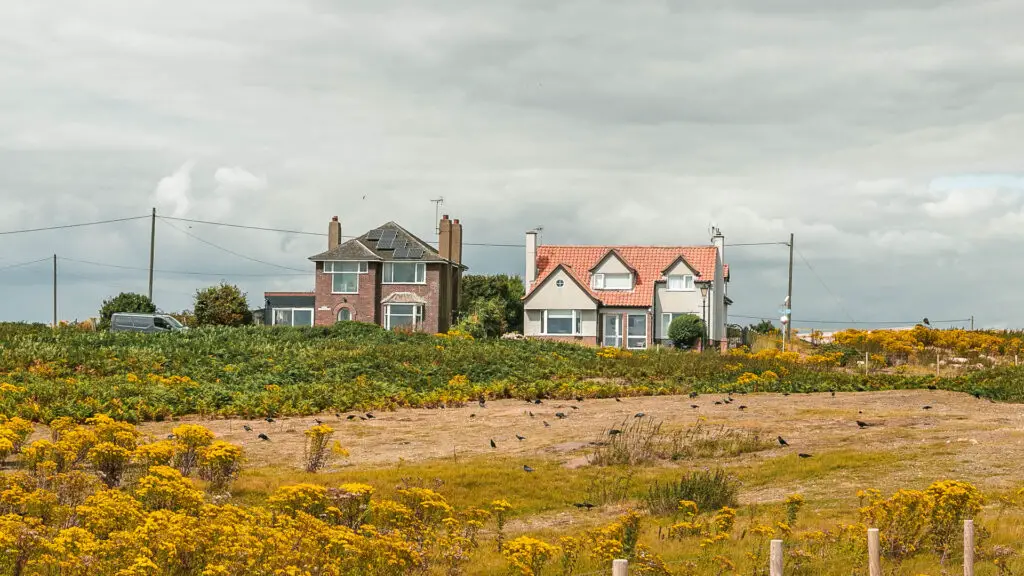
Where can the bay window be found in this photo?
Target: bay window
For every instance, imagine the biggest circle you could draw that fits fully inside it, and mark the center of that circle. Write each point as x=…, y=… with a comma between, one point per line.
x=345, y=276
x=405, y=273
x=563, y=322
x=636, y=331
x=409, y=315
x=292, y=317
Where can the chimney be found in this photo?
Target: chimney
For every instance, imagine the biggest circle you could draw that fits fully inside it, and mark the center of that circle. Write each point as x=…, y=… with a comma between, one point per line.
x=333, y=233
x=456, y=242
x=718, y=240
x=531, y=259
x=444, y=238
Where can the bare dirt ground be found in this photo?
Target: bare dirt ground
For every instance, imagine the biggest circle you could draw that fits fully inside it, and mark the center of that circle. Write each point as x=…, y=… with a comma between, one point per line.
x=959, y=436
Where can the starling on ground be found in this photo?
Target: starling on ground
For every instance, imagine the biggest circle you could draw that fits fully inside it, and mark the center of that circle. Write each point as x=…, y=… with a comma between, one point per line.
x=614, y=432
x=694, y=406
x=350, y=417
x=527, y=468
x=582, y=505
x=617, y=399
x=782, y=441
x=269, y=419
x=560, y=415
x=247, y=428
x=802, y=455
x=926, y=407
x=370, y=415
x=546, y=425
x=693, y=394
x=743, y=407
x=639, y=415
x=264, y=437
x=862, y=424
x=483, y=402
x=493, y=445
x=520, y=438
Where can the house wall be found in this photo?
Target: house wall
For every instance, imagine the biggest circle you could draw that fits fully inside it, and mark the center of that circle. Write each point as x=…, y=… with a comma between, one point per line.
x=612, y=265
x=430, y=292
x=569, y=297
x=364, y=305
x=688, y=302
x=717, y=296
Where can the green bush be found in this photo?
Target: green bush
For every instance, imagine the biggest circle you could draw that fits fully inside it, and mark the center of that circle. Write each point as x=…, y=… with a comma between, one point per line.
x=125, y=302
x=223, y=305
x=685, y=330
x=709, y=489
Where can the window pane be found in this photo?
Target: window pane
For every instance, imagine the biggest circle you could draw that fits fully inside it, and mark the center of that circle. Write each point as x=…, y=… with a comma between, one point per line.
x=617, y=281
x=559, y=313
x=688, y=282
x=637, y=325
x=675, y=282
x=344, y=314
x=302, y=318
x=404, y=272
x=283, y=316
x=345, y=283
x=666, y=321
x=559, y=325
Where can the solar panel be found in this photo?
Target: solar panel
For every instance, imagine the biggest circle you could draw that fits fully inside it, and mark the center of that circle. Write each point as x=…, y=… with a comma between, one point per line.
x=374, y=234
x=387, y=240
x=415, y=252
x=402, y=252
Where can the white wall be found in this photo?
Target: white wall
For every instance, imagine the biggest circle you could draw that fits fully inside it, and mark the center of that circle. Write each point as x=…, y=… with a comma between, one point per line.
x=676, y=302
x=612, y=265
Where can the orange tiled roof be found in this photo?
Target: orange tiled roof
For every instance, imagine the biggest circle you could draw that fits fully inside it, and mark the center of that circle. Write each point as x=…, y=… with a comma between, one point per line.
x=648, y=261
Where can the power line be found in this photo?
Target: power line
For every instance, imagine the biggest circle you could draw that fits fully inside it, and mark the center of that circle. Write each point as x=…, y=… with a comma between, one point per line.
x=184, y=272
x=727, y=245
x=64, y=226
x=19, y=264
x=229, y=251
x=893, y=322
x=247, y=227
x=825, y=286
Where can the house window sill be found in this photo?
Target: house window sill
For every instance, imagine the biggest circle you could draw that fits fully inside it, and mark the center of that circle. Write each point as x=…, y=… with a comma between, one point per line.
x=345, y=293
x=404, y=283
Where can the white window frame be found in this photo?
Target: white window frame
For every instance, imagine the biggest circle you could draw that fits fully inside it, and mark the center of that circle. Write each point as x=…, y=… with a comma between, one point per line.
x=575, y=315
x=616, y=341
x=634, y=337
x=332, y=268
x=666, y=322
x=686, y=283
x=292, y=310
x=420, y=275
x=338, y=315
x=600, y=281
x=417, y=315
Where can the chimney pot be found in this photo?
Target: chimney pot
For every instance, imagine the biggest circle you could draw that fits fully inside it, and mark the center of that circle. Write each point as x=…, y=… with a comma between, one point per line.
x=334, y=218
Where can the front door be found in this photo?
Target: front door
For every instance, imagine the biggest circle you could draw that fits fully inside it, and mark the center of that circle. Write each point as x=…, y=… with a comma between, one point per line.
x=612, y=330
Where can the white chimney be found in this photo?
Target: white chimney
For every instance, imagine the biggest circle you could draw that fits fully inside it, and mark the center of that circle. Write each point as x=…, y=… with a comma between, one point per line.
x=531, y=259
x=718, y=240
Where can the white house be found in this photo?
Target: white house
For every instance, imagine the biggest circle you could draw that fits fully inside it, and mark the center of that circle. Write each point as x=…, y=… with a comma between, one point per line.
x=623, y=296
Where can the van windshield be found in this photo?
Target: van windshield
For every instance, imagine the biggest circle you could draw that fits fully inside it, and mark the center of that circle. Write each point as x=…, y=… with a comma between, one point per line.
x=173, y=321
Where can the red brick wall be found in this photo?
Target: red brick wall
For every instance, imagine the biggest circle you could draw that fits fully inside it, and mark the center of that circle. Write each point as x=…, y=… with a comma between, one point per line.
x=584, y=340
x=364, y=306
x=429, y=292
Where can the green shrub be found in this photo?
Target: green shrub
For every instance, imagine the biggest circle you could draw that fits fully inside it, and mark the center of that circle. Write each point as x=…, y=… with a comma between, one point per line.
x=709, y=489
x=222, y=305
x=685, y=330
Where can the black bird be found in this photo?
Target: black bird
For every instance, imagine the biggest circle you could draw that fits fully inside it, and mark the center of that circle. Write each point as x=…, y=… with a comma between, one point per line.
x=527, y=468
x=318, y=421
x=785, y=393
x=862, y=424
x=932, y=387
x=546, y=425
x=579, y=398
x=833, y=392
x=977, y=395
x=483, y=402
x=743, y=407
x=350, y=417
x=493, y=445
x=782, y=441
x=926, y=322
x=560, y=415
x=520, y=438
x=537, y=401
x=693, y=394
x=369, y=415
x=170, y=436
x=639, y=415
x=614, y=432
x=718, y=402
x=363, y=418
x=472, y=415
x=586, y=505
x=926, y=407
x=531, y=414
x=694, y=406
x=338, y=416
x=802, y=455
x=617, y=399
x=727, y=400
x=574, y=407
x=264, y=437
x=247, y=428
x=269, y=419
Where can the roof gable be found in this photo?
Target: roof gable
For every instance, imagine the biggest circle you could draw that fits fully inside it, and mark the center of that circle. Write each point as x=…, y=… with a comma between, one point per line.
x=681, y=260
x=650, y=262
x=612, y=253
x=572, y=276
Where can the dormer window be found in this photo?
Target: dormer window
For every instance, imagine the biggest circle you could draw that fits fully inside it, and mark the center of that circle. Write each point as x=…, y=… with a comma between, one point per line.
x=680, y=282
x=612, y=281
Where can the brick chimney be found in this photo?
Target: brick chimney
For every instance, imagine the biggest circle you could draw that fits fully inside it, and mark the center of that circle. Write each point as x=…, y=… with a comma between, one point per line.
x=333, y=233
x=444, y=238
x=456, y=242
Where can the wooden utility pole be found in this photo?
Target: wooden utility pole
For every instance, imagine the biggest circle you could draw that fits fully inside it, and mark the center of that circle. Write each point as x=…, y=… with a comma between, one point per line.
x=153, y=247
x=972, y=322
x=789, y=294
x=54, y=290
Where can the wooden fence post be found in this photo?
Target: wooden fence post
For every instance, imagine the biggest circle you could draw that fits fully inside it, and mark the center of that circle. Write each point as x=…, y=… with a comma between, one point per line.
x=620, y=567
x=968, y=547
x=775, y=557
x=874, y=553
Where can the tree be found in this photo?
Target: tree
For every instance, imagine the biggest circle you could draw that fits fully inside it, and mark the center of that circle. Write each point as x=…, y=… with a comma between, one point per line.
x=222, y=305
x=505, y=291
x=764, y=327
x=486, y=319
x=125, y=302
x=685, y=330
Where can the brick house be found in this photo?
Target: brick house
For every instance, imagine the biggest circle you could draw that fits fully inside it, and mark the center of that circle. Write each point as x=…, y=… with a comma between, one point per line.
x=623, y=296
x=387, y=276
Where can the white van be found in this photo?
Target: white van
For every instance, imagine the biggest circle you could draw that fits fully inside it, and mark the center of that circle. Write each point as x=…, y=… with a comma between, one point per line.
x=147, y=323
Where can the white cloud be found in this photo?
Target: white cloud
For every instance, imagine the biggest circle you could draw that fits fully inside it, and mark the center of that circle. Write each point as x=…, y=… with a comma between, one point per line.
x=961, y=203
x=173, y=192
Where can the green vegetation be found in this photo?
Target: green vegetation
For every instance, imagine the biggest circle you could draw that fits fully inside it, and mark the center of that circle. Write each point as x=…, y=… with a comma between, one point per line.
x=709, y=489
x=222, y=305
x=491, y=305
x=258, y=371
x=685, y=330
x=125, y=302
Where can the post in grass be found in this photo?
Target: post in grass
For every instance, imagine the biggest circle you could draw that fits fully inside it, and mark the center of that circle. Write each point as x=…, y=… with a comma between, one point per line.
x=620, y=567
x=775, y=558
x=968, y=547
x=874, y=553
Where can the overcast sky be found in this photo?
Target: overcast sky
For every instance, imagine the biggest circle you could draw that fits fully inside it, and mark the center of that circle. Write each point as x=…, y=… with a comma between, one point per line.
x=888, y=140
